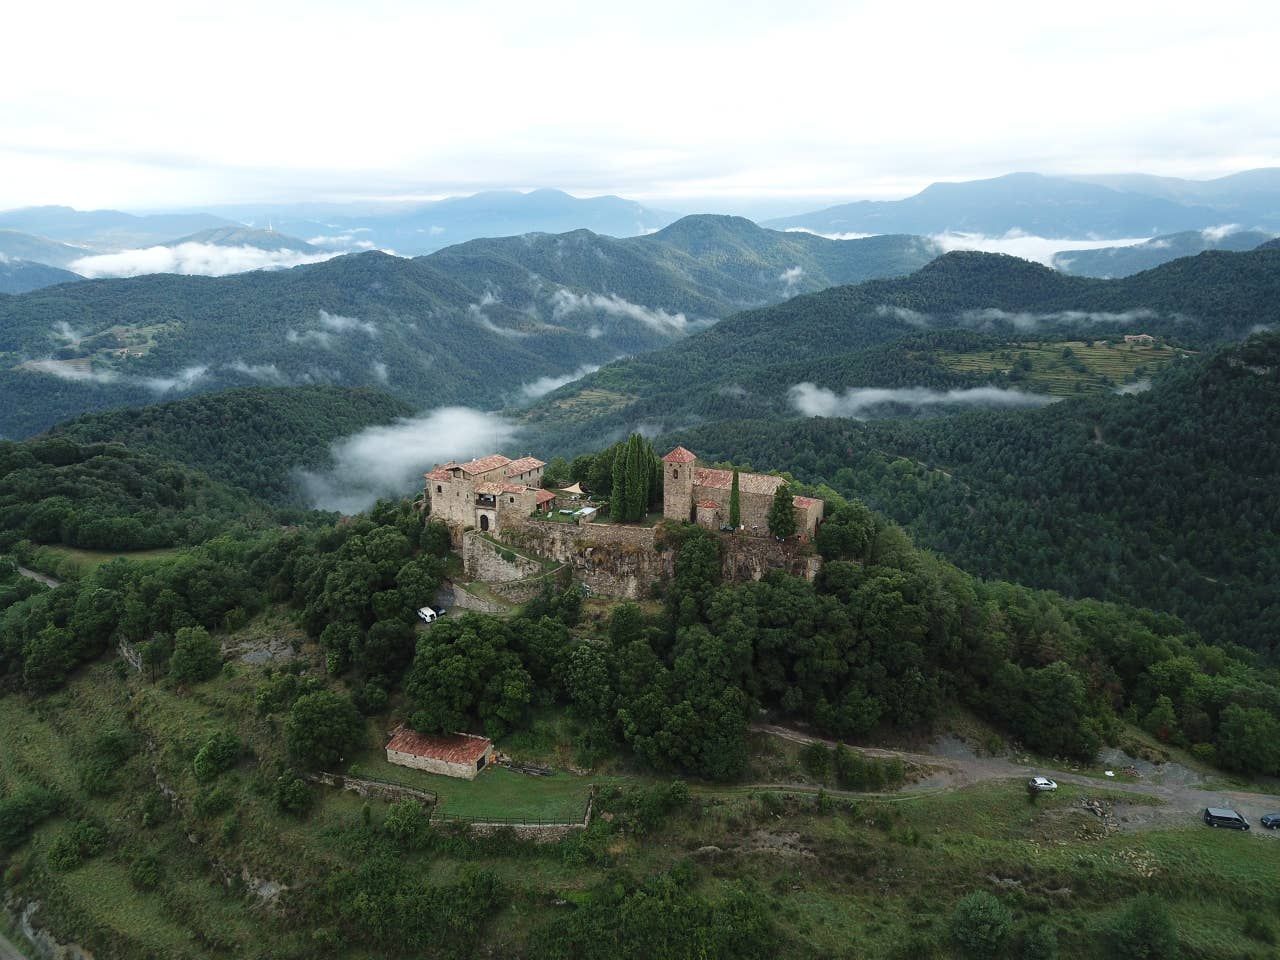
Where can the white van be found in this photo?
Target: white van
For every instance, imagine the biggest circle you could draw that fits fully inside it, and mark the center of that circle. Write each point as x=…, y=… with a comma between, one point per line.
x=427, y=615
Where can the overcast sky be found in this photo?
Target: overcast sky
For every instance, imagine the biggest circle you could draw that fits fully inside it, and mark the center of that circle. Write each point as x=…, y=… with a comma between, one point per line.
x=146, y=105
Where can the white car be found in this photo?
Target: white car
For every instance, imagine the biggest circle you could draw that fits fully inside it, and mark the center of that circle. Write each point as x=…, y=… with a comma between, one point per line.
x=1041, y=784
x=427, y=615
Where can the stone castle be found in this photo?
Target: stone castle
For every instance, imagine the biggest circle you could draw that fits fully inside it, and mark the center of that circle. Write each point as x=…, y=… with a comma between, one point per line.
x=492, y=492
x=482, y=493
x=498, y=518
x=701, y=495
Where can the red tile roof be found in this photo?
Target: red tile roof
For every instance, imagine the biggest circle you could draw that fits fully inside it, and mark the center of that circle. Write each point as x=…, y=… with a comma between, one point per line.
x=451, y=748
x=708, y=505
x=523, y=465
x=484, y=464
x=804, y=503
x=679, y=455
x=439, y=473
x=545, y=496
x=747, y=482
x=494, y=487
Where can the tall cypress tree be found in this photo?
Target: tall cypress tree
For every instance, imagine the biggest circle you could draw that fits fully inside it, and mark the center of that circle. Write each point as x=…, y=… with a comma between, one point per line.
x=782, y=513
x=617, y=493
x=735, y=503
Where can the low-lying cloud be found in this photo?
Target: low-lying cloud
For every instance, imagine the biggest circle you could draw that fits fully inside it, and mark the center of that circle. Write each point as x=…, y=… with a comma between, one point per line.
x=565, y=302
x=544, y=385
x=906, y=315
x=1220, y=232
x=1027, y=246
x=389, y=460
x=191, y=259
x=859, y=403
x=267, y=373
x=340, y=324
x=990, y=316
x=184, y=379
x=1138, y=386
x=790, y=277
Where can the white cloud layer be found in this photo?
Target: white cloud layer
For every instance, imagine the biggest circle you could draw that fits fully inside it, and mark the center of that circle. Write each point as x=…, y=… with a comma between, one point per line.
x=544, y=385
x=193, y=259
x=859, y=403
x=390, y=460
x=184, y=379
x=1033, y=321
x=341, y=324
x=565, y=302
x=1024, y=245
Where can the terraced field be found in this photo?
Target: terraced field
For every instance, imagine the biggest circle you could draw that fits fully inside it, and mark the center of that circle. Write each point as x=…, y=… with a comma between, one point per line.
x=1067, y=368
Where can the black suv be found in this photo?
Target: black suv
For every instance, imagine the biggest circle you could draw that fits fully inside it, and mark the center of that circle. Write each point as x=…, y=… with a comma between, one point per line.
x=1222, y=817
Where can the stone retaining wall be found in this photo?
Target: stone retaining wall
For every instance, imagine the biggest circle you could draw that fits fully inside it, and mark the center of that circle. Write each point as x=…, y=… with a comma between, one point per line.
x=375, y=789
x=485, y=560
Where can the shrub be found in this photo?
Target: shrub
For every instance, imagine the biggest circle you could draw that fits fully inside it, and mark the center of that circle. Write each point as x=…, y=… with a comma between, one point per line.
x=21, y=812
x=196, y=656
x=980, y=925
x=321, y=728
x=144, y=873
x=291, y=794
x=1040, y=942
x=816, y=760
x=82, y=842
x=407, y=824
x=1255, y=928
x=1144, y=932
x=219, y=753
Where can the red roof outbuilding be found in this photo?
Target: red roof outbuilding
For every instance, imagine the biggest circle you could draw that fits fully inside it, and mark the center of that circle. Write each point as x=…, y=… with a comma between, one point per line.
x=464, y=748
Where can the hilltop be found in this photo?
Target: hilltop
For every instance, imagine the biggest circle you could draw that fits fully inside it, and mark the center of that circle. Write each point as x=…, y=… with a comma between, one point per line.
x=236, y=236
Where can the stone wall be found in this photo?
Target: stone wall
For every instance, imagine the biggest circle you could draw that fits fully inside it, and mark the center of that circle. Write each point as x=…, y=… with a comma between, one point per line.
x=484, y=560
x=625, y=561
x=444, y=768
x=375, y=789
x=464, y=599
x=613, y=560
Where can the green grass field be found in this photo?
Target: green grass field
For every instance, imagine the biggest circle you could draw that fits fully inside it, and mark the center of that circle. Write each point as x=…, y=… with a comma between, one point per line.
x=56, y=558
x=1096, y=368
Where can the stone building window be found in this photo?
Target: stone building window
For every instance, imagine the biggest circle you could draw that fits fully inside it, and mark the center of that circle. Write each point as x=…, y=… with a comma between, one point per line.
x=439, y=489
x=675, y=474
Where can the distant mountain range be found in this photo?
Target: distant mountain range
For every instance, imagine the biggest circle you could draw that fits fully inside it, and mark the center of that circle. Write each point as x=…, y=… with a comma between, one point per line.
x=15, y=245
x=23, y=276
x=1055, y=207
x=236, y=236
x=423, y=228
x=1127, y=260
x=105, y=230
x=484, y=323
x=745, y=366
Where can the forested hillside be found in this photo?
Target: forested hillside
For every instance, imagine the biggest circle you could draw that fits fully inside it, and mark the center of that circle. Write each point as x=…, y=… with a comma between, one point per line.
x=751, y=361
x=1167, y=498
x=23, y=276
x=127, y=790
x=469, y=325
x=252, y=438
x=105, y=496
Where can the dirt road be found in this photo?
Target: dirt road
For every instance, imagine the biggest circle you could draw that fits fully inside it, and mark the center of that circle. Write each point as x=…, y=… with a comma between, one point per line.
x=8, y=951
x=1181, y=802
x=44, y=578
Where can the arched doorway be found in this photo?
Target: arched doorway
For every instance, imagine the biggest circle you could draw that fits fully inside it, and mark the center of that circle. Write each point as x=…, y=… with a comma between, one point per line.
x=484, y=522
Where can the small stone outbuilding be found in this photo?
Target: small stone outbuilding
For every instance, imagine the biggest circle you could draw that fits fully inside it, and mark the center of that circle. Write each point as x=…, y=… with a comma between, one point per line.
x=461, y=755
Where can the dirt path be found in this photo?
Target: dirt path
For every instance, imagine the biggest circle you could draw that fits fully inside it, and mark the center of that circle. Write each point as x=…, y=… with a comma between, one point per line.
x=8, y=951
x=1180, y=803
x=44, y=578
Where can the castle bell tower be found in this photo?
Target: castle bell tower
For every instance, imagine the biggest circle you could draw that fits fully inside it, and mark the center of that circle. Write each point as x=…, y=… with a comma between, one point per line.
x=678, y=468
